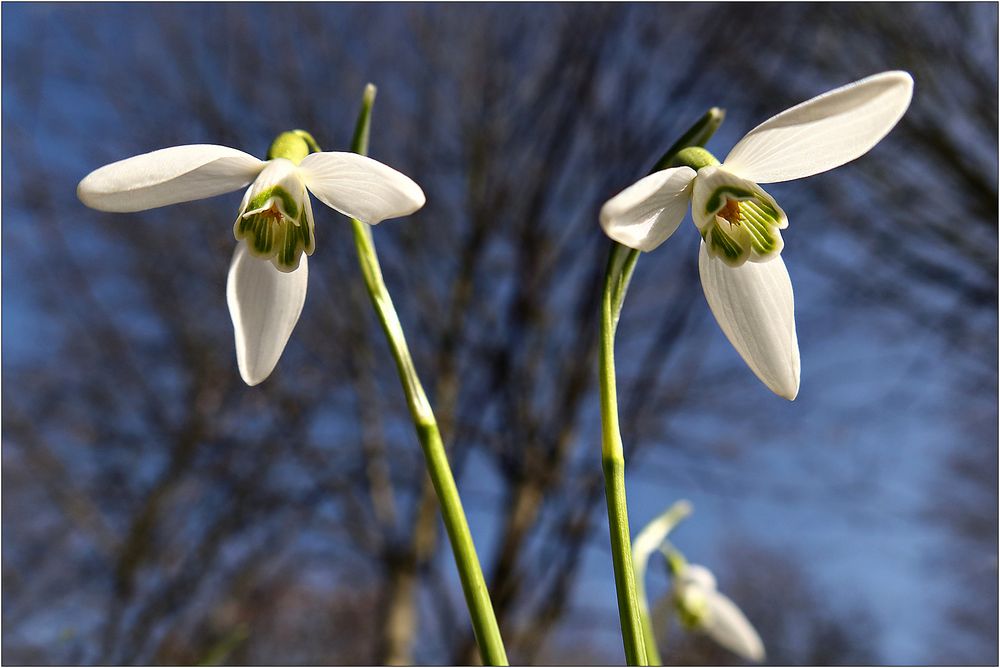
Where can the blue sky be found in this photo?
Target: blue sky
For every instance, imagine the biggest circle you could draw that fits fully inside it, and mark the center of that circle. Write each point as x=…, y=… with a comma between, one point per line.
x=840, y=478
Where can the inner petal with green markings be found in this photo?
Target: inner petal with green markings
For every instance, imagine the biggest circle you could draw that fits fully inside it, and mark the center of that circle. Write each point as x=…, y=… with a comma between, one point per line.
x=276, y=218
x=737, y=219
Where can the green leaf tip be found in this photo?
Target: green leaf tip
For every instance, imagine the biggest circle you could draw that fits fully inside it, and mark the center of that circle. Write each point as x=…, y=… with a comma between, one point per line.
x=696, y=135
x=359, y=142
x=368, y=97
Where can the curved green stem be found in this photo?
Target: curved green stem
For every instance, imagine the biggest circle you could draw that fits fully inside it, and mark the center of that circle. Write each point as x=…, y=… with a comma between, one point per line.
x=613, y=459
x=470, y=573
x=621, y=264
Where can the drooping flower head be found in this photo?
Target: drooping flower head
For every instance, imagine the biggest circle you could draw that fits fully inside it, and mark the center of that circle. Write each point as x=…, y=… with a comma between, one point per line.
x=702, y=608
x=744, y=279
x=694, y=598
x=274, y=228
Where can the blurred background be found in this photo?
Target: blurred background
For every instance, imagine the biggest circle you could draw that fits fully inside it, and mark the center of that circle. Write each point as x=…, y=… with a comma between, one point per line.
x=156, y=510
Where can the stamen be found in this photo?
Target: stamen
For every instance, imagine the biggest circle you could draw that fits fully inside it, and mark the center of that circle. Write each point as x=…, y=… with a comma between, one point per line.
x=731, y=211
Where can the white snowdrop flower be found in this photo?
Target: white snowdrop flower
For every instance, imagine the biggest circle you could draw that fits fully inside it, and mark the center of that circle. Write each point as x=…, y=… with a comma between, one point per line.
x=274, y=228
x=742, y=273
x=701, y=607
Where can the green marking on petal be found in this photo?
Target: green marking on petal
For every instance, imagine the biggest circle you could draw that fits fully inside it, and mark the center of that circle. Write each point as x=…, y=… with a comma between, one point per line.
x=760, y=234
x=307, y=232
x=761, y=221
x=289, y=206
x=732, y=251
x=287, y=256
x=259, y=232
x=269, y=235
x=243, y=225
x=718, y=198
x=761, y=207
x=308, y=243
x=746, y=225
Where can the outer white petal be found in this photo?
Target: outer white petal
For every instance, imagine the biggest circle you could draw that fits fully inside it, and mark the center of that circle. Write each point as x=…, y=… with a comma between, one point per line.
x=697, y=576
x=753, y=304
x=264, y=304
x=645, y=214
x=824, y=132
x=168, y=176
x=727, y=625
x=360, y=187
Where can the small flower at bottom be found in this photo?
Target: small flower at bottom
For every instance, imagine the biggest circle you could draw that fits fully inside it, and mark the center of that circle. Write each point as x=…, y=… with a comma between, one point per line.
x=744, y=279
x=700, y=607
x=274, y=228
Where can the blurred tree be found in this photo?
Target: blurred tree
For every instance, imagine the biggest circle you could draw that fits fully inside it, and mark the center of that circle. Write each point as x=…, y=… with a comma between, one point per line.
x=158, y=511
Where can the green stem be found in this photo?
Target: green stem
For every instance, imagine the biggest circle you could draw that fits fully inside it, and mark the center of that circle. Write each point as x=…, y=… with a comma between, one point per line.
x=614, y=462
x=470, y=573
x=649, y=638
x=621, y=264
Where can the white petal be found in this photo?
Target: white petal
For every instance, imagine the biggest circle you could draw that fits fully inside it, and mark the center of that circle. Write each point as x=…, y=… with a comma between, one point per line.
x=727, y=625
x=824, y=132
x=753, y=304
x=645, y=214
x=360, y=187
x=264, y=304
x=168, y=176
x=696, y=576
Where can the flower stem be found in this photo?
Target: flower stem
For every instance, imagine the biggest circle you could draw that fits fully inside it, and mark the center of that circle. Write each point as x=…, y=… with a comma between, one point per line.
x=470, y=573
x=613, y=458
x=649, y=636
x=621, y=264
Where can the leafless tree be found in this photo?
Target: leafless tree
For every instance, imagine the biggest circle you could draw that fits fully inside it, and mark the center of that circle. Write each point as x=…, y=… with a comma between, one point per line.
x=157, y=511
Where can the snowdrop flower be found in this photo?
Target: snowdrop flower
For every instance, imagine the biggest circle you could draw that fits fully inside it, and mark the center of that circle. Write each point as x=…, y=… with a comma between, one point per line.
x=701, y=607
x=742, y=273
x=274, y=227
x=650, y=540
